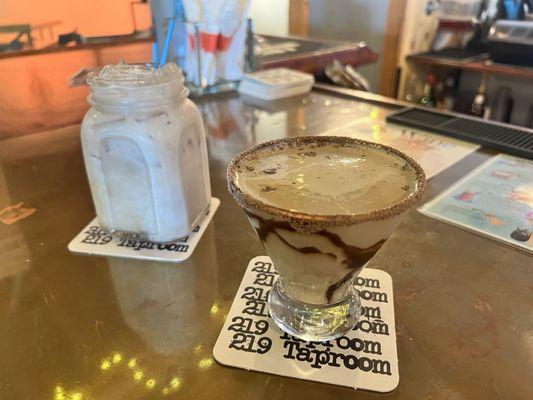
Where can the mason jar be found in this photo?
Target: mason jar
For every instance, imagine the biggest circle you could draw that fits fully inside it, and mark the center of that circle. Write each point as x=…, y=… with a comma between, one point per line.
x=145, y=153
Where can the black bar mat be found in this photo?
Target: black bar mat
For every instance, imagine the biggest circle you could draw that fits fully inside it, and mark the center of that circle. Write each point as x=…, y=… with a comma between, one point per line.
x=505, y=139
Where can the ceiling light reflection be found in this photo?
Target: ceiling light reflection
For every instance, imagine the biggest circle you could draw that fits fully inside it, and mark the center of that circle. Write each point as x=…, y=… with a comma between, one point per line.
x=175, y=383
x=116, y=358
x=132, y=363
x=106, y=364
x=150, y=383
x=138, y=375
x=215, y=308
x=206, y=363
x=118, y=361
x=61, y=393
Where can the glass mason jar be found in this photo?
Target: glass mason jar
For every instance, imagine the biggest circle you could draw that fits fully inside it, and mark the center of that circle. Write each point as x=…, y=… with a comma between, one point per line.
x=145, y=153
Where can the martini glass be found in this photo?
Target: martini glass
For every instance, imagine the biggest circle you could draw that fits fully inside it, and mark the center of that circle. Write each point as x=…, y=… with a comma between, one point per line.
x=318, y=256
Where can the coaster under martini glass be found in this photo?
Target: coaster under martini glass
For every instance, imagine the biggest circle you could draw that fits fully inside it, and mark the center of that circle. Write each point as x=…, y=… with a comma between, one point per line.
x=364, y=358
x=93, y=240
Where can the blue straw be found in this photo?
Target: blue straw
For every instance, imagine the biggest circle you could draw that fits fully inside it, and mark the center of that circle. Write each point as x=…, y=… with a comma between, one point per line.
x=154, y=55
x=170, y=29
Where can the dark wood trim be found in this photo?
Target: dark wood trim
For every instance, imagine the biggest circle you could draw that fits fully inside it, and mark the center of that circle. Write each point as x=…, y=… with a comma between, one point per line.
x=360, y=95
x=89, y=46
x=391, y=48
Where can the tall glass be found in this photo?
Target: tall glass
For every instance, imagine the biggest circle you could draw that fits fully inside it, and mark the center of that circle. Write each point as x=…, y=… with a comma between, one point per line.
x=318, y=255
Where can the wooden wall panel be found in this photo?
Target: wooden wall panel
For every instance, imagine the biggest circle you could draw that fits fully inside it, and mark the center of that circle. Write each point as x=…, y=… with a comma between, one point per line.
x=389, y=56
x=298, y=17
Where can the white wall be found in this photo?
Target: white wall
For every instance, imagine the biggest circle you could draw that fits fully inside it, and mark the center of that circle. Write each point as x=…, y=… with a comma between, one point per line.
x=270, y=17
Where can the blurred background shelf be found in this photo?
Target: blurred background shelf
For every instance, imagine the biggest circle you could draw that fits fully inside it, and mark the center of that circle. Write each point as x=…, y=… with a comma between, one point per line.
x=481, y=66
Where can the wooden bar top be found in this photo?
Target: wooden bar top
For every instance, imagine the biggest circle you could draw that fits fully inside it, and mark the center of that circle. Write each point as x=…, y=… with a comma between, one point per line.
x=108, y=328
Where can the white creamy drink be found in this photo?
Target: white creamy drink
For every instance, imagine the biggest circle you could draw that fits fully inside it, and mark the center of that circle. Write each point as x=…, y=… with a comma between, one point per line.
x=322, y=206
x=145, y=152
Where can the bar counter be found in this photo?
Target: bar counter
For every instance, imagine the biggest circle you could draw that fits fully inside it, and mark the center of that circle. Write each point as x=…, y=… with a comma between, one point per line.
x=79, y=327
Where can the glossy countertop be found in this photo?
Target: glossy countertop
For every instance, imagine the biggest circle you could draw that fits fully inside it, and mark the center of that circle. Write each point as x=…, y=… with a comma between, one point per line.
x=79, y=327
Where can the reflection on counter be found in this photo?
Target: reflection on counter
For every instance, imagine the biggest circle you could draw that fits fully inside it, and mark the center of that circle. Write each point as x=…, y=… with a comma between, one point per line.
x=119, y=363
x=234, y=124
x=155, y=302
x=155, y=297
x=229, y=127
x=433, y=152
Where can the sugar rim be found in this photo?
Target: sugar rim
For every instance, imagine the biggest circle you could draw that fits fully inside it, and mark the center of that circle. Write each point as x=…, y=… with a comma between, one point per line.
x=306, y=221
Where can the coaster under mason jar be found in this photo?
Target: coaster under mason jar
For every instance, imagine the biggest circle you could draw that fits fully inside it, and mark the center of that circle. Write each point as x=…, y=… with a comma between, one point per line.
x=92, y=240
x=364, y=358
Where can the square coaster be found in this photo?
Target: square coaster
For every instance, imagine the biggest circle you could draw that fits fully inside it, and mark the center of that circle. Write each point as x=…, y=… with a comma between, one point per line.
x=92, y=240
x=365, y=358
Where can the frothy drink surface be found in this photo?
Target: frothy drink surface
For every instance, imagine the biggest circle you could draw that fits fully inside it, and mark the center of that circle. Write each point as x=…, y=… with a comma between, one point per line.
x=326, y=179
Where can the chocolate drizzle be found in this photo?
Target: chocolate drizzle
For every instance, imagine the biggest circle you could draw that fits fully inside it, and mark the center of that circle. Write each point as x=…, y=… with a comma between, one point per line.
x=356, y=257
x=333, y=288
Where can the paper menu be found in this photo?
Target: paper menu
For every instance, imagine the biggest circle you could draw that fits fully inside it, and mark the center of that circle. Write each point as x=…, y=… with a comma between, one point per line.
x=433, y=152
x=495, y=200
